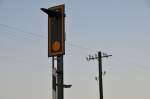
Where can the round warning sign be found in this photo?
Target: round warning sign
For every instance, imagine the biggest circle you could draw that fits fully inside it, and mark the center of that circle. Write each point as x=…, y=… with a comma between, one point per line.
x=56, y=46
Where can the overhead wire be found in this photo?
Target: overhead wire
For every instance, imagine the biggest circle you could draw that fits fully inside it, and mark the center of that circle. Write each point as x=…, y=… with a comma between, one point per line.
x=132, y=66
x=21, y=30
x=13, y=35
x=45, y=37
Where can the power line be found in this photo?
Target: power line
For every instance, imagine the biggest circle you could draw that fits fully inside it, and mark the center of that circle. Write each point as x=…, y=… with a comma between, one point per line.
x=20, y=30
x=69, y=44
x=133, y=64
x=81, y=47
x=136, y=66
x=42, y=36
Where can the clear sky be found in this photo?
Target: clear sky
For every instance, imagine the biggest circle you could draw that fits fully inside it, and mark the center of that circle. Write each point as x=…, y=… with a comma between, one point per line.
x=117, y=27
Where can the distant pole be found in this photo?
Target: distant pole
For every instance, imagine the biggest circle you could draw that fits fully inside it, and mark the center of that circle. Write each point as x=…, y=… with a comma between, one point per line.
x=99, y=58
x=100, y=75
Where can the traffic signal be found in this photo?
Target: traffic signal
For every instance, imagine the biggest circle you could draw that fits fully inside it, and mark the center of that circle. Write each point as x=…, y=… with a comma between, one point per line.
x=56, y=30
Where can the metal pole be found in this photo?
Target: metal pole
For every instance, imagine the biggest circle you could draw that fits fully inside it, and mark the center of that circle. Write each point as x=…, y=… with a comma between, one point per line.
x=60, y=89
x=100, y=75
x=53, y=79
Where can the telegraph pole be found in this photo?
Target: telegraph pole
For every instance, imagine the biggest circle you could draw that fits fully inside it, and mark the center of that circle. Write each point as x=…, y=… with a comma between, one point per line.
x=100, y=75
x=99, y=58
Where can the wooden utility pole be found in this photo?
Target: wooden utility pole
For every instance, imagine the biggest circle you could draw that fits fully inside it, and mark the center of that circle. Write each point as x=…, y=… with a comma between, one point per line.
x=99, y=58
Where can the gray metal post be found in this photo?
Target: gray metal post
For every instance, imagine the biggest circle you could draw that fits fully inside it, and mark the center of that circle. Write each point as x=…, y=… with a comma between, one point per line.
x=100, y=75
x=60, y=82
x=53, y=79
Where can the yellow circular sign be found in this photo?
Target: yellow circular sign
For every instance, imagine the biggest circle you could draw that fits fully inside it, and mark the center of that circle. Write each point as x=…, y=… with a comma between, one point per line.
x=56, y=46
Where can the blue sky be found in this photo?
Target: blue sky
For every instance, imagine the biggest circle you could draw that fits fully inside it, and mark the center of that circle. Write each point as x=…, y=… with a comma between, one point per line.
x=117, y=27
